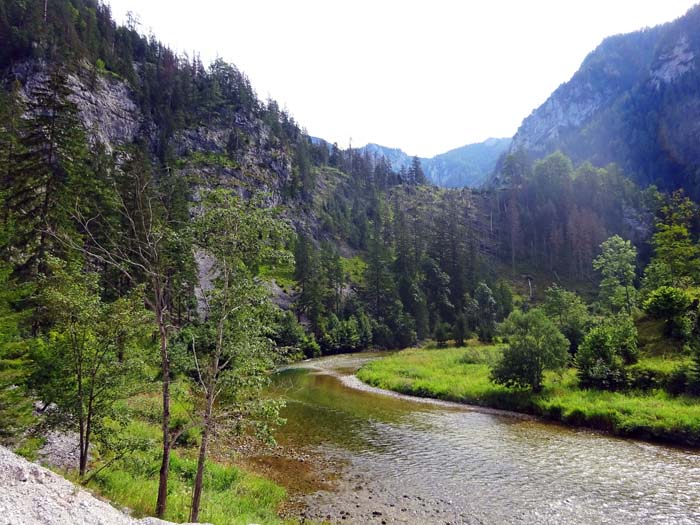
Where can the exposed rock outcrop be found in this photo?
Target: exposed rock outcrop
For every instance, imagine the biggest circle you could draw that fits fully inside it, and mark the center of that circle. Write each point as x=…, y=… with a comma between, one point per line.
x=635, y=102
x=33, y=495
x=106, y=104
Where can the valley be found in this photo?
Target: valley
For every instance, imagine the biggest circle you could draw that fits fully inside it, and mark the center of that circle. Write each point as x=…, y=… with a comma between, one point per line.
x=230, y=321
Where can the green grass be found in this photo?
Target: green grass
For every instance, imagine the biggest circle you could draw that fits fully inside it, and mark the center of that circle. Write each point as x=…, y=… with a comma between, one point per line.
x=653, y=342
x=283, y=275
x=200, y=158
x=231, y=496
x=462, y=375
x=30, y=446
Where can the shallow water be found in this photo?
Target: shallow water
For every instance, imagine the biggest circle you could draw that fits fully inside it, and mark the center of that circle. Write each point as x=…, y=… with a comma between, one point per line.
x=415, y=462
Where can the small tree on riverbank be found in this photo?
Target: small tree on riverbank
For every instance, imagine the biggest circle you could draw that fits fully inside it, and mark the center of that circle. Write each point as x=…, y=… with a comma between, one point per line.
x=145, y=243
x=83, y=364
x=616, y=264
x=232, y=355
x=534, y=345
x=605, y=352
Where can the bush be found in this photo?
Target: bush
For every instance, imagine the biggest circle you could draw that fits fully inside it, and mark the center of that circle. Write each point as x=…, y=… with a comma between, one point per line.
x=678, y=381
x=442, y=333
x=668, y=303
x=534, y=344
x=310, y=347
x=604, y=352
x=569, y=313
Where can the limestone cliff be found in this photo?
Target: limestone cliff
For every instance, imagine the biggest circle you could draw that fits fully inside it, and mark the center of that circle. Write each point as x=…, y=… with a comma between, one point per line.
x=635, y=101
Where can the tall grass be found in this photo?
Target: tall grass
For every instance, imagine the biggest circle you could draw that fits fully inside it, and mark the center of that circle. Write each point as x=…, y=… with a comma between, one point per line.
x=462, y=375
x=231, y=496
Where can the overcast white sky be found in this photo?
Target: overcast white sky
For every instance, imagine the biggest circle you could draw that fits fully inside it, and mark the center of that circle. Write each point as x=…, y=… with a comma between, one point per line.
x=426, y=76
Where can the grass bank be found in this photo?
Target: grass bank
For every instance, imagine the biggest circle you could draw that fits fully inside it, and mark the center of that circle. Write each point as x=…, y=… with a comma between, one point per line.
x=231, y=496
x=462, y=375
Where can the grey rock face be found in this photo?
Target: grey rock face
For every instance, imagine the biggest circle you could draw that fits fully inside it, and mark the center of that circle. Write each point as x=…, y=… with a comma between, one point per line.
x=107, y=110
x=635, y=102
x=33, y=495
x=106, y=104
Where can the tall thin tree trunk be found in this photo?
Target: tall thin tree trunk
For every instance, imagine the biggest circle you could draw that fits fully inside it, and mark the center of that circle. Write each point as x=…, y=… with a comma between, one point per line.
x=161, y=504
x=199, y=478
x=85, y=446
x=82, y=462
x=210, y=386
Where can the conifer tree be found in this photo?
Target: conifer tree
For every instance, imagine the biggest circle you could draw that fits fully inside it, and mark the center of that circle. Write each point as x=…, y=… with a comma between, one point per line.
x=51, y=172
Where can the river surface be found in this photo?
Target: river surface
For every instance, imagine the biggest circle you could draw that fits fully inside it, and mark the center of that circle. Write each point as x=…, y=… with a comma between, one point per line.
x=401, y=460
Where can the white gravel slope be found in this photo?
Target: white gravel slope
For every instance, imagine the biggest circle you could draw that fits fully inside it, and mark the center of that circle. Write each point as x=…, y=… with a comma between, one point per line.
x=33, y=495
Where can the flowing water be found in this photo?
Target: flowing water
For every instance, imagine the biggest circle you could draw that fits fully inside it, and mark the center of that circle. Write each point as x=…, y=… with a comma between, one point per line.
x=407, y=461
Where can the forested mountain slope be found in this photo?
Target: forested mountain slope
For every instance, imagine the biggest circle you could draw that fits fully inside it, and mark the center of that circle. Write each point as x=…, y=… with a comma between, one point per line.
x=138, y=106
x=467, y=166
x=635, y=101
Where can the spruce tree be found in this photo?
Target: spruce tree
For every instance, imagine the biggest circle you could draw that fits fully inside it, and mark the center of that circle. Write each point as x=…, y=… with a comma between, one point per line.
x=51, y=172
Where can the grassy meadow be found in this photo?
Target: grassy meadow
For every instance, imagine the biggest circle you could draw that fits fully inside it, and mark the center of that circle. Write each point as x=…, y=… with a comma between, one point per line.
x=463, y=375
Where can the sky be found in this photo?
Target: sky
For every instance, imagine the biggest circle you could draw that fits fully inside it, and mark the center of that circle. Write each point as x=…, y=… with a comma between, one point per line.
x=424, y=76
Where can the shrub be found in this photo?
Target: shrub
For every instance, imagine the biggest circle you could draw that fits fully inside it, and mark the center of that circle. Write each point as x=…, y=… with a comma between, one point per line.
x=442, y=333
x=534, y=344
x=668, y=303
x=604, y=352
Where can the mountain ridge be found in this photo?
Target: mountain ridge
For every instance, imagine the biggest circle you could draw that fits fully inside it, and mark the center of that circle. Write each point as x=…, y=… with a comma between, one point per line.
x=465, y=166
x=634, y=102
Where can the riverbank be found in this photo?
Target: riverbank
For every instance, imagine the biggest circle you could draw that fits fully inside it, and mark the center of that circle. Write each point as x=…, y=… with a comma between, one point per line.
x=462, y=375
x=234, y=492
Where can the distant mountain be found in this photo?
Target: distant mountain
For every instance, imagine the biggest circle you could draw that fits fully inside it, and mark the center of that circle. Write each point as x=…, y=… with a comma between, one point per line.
x=469, y=165
x=635, y=101
x=466, y=166
x=396, y=157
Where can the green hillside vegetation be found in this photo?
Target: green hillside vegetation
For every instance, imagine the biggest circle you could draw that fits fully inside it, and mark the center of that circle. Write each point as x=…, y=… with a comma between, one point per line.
x=137, y=273
x=628, y=364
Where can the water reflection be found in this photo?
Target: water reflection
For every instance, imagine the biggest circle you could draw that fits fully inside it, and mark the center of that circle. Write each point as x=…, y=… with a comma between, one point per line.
x=493, y=468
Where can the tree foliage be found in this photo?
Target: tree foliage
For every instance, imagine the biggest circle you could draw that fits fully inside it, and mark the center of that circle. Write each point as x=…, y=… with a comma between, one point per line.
x=604, y=353
x=85, y=363
x=617, y=264
x=232, y=355
x=667, y=303
x=534, y=345
x=569, y=313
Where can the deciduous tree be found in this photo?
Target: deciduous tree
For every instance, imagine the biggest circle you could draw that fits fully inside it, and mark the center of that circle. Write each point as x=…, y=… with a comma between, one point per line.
x=534, y=345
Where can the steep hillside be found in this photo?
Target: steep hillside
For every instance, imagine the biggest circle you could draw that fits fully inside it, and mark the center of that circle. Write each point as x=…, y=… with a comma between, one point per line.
x=635, y=101
x=468, y=166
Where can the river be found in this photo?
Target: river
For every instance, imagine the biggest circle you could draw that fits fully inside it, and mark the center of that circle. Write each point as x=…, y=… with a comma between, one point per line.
x=400, y=460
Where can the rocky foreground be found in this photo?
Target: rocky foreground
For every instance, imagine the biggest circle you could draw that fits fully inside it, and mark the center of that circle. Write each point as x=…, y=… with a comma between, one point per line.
x=33, y=495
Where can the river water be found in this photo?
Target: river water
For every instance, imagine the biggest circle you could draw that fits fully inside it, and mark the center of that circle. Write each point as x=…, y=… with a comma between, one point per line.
x=401, y=460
